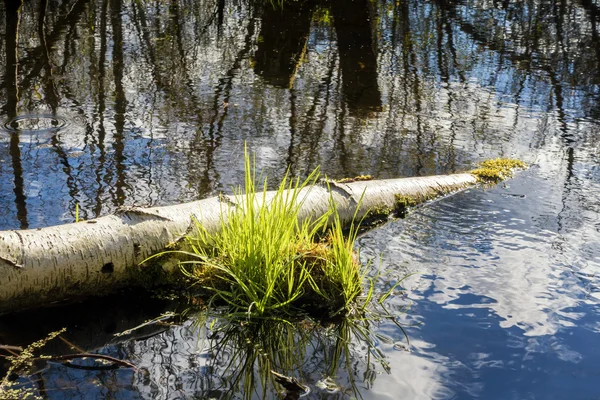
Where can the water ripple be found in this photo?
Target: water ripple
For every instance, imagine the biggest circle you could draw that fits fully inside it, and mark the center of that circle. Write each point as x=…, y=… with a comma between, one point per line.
x=35, y=123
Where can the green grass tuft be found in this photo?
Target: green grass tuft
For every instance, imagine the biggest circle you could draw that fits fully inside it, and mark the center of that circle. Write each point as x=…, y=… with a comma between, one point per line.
x=265, y=262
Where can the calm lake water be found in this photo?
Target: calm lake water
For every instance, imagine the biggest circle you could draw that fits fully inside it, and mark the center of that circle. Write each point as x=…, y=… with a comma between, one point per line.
x=115, y=103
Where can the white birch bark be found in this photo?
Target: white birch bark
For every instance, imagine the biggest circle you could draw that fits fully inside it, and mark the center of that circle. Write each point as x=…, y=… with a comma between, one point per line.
x=40, y=266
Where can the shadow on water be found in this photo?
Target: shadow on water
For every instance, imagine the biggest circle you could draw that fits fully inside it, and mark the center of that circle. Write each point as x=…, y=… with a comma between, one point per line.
x=98, y=319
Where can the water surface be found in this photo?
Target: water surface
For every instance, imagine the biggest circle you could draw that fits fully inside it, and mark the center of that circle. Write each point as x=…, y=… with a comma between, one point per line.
x=114, y=103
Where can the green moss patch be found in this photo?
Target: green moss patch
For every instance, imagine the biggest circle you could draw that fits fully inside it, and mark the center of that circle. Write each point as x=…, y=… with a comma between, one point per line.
x=497, y=170
x=375, y=217
x=355, y=179
x=403, y=203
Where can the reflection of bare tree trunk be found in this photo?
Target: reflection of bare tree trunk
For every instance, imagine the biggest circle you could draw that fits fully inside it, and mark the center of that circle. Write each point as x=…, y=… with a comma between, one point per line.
x=284, y=33
x=149, y=52
x=70, y=48
x=36, y=56
x=309, y=139
x=314, y=136
x=50, y=92
x=339, y=146
x=391, y=146
x=445, y=19
x=559, y=14
x=569, y=142
x=220, y=15
x=102, y=183
x=410, y=68
x=593, y=12
x=444, y=72
x=559, y=11
x=292, y=150
x=13, y=18
x=441, y=56
x=175, y=28
x=220, y=109
x=52, y=98
x=120, y=100
x=358, y=60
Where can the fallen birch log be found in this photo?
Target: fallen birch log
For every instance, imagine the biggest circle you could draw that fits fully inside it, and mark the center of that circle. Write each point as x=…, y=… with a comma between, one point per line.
x=93, y=257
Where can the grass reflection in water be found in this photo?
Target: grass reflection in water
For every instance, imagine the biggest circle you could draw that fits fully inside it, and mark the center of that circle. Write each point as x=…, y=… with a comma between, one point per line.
x=252, y=357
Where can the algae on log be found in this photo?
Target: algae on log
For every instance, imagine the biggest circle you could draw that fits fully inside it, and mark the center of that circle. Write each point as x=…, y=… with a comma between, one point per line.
x=41, y=266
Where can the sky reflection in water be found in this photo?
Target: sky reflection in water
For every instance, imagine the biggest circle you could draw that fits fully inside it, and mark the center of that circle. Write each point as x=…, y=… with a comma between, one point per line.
x=505, y=303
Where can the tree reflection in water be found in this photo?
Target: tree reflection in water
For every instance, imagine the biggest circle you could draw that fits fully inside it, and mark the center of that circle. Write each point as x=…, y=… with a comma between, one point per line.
x=159, y=95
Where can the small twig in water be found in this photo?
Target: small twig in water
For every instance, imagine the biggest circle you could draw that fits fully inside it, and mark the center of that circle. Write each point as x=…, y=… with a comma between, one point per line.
x=69, y=357
x=71, y=345
x=10, y=348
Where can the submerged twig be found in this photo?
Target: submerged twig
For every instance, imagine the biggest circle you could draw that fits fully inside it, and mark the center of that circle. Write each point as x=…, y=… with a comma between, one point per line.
x=10, y=348
x=69, y=357
x=71, y=345
x=160, y=319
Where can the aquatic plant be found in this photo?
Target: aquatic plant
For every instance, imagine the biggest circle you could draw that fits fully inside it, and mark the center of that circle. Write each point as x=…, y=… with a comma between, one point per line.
x=9, y=389
x=264, y=261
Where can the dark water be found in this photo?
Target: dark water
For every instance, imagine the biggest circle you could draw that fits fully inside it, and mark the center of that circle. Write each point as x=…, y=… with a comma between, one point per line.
x=113, y=103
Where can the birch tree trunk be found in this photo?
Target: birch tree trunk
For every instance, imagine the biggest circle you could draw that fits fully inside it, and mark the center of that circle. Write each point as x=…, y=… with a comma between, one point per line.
x=93, y=257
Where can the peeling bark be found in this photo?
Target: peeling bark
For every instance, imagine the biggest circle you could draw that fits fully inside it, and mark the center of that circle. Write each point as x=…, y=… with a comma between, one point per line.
x=40, y=266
